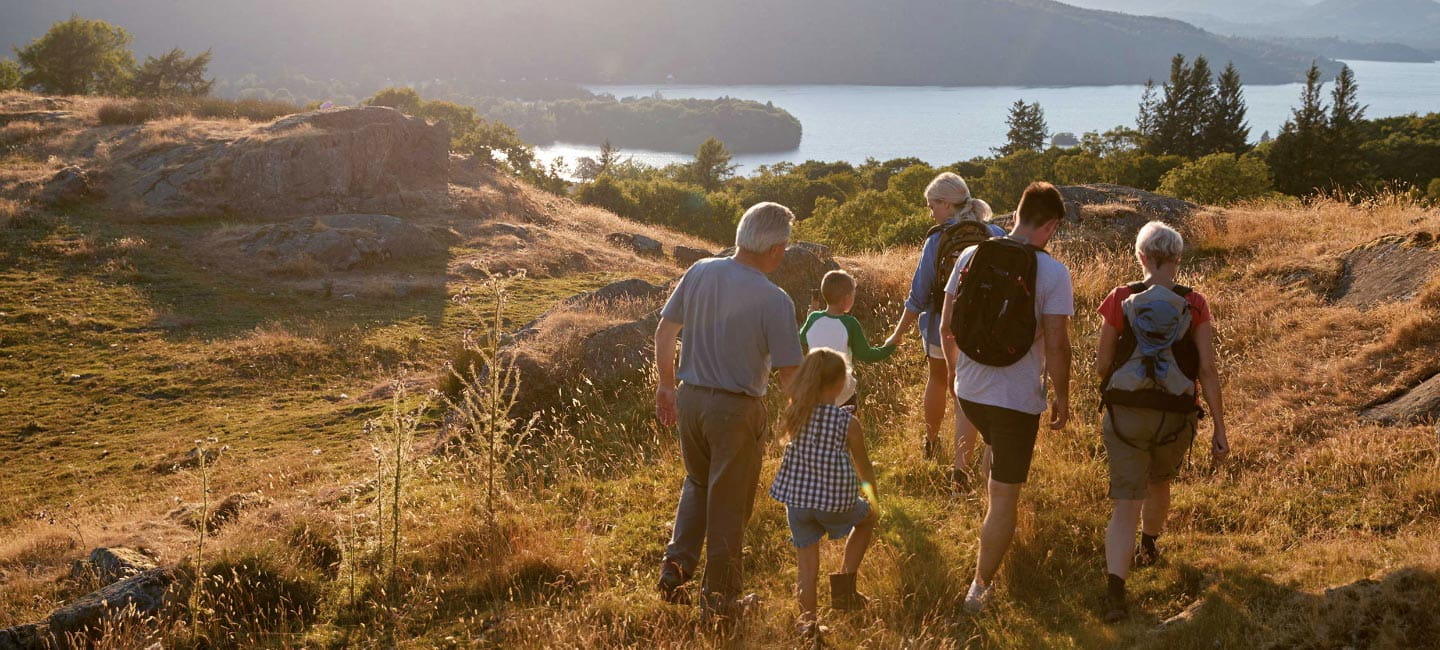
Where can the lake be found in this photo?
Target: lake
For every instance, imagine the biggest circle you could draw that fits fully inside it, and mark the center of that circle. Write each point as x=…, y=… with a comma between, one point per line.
x=941, y=125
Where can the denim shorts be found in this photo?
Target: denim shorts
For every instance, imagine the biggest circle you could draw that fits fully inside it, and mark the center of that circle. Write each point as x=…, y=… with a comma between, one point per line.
x=808, y=525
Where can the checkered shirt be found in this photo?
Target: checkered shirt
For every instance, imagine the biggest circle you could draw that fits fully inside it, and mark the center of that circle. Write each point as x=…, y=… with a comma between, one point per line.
x=816, y=471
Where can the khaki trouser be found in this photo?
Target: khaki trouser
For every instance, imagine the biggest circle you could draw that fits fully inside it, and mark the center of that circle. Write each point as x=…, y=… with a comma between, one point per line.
x=1152, y=449
x=722, y=439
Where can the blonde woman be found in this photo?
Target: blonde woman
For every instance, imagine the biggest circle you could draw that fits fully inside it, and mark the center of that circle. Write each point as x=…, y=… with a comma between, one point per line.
x=950, y=203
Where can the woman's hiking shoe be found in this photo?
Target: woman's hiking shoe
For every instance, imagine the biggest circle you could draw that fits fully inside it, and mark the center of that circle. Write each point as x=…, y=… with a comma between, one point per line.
x=672, y=584
x=960, y=483
x=1146, y=554
x=979, y=597
x=843, y=595
x=1115, y=608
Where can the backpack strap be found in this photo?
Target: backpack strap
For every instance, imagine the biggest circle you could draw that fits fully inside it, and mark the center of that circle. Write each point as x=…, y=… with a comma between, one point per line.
x=1182, y=290
x=1137, y=287
x=934, y=229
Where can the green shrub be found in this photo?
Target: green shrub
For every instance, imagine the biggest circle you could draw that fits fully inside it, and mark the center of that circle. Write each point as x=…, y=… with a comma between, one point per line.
x=1434, y=193
x=1219, y=179
x=606, y=193
x=9, y=75
x=78, y=57
x=405, y=100
x=140, y=111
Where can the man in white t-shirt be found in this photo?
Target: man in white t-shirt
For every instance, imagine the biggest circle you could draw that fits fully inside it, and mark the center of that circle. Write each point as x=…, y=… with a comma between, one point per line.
x=1005, y=403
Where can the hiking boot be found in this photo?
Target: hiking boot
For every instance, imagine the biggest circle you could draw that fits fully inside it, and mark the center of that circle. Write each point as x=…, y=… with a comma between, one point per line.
x=672, y=584
x=1147, y=554
x=843, y=595
x=930, y=445
x=1115, y=608
x=960, y=483
x=722, y=614
x=979, y=597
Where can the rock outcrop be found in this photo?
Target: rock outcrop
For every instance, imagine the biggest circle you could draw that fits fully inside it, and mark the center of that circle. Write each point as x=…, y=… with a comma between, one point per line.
x=370, y=159
x=1391, y=269
x=339, y=242
x=1418, y=404
x=135, y=588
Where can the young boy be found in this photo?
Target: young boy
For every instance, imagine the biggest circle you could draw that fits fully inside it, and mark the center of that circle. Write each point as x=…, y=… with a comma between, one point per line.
x=836, y=329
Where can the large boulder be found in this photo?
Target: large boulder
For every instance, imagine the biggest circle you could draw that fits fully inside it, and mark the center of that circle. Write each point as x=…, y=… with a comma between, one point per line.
x=69, y=186
x=348, y=159
x=687, y=256
x=339, y=242
x=143, y=594
x=620, y=354
x=639, y=244
x=112, y=564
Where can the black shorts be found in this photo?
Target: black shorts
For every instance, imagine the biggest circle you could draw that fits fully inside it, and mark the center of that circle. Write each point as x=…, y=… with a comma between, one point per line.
x=1011, y=437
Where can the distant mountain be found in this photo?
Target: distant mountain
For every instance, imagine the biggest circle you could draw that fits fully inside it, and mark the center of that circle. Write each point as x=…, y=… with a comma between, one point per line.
x=1235, y=11
x=1412, y=23
x=903, y=42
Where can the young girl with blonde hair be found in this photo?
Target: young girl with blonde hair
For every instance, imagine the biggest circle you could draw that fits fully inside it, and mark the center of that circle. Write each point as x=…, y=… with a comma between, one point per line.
x=821, y=479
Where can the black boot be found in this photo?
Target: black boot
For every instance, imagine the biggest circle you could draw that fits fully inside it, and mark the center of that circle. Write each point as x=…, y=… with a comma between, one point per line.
x=1147, y=554
x=672, y=583
x=843, y=595
x=1115, y=607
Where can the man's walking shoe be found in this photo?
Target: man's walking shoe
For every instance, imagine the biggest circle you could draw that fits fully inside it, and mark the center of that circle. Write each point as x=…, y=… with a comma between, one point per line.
x=843, y=595
x=672, y=583
x=1147, y=554
x=979, y=597
x=960, y=483
x=722, y=613
x=1115, y=608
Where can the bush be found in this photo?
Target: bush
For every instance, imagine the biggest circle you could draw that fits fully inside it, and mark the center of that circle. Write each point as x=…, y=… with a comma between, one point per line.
x=9, y=75
x=606, y=193
x=1219, y=179
x=1434, y=193
x=405, y=100
x=128, y=112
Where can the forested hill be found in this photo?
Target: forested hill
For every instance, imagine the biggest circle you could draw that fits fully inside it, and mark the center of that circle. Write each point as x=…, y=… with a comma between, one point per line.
x=946, y=42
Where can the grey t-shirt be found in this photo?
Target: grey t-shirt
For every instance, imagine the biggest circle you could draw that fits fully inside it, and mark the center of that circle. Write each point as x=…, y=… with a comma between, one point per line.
x=737, y=324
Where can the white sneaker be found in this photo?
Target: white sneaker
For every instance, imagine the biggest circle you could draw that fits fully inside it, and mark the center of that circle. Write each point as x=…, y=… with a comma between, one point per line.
x=979, y=597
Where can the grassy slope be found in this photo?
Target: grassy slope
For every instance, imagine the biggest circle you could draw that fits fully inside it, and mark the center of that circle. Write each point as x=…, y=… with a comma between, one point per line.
x=169, y=351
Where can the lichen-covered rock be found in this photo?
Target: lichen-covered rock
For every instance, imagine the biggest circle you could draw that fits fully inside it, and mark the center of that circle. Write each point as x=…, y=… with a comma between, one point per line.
x=1391, y=269
x=112, y=564
x=366, y=159
x=1418, y=404
x=69, y=186
x=687, y=256
x=139, y=595
x=640, y=244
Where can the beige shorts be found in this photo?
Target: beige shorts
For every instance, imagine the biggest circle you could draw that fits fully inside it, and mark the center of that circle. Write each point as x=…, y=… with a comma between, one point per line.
x=1153, y=447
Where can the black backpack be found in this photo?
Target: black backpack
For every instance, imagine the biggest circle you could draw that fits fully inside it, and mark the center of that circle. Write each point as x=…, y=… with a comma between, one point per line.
x=993, y=317
x=954, y=239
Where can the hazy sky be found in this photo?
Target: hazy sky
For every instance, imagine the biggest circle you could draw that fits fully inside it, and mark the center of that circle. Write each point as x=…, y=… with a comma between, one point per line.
x=1221, y=8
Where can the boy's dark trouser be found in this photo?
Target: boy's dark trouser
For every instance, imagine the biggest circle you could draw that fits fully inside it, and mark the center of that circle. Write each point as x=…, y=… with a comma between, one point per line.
x=722, y=441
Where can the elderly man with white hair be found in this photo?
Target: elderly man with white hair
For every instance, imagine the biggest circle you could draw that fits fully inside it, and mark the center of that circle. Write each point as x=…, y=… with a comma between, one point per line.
x=1156, y=345
x=737, y=326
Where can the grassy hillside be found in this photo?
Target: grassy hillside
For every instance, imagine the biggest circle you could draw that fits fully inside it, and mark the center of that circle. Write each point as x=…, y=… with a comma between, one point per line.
x=123, y=341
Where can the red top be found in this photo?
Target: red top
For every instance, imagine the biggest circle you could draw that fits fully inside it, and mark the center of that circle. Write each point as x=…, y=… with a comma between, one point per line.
x=1114, y=315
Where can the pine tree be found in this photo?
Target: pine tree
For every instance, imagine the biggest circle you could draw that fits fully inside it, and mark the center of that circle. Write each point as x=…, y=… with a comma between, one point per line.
x=173, y=75
x=78, y=57
x=609, y=157
x=1172, y=130
x=1145, y=123
x=1028, y=131
x=1346, y=165
x=1197, y=110
x=711, y=167
x=1225, y=130
x=1297, y=154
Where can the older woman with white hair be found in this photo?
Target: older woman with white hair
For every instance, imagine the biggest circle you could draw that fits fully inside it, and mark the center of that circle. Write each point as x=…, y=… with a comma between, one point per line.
x=1157, y=345
x=951, y=204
